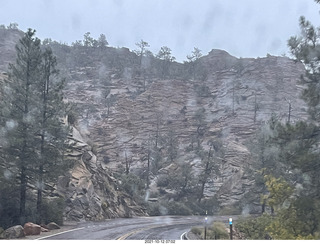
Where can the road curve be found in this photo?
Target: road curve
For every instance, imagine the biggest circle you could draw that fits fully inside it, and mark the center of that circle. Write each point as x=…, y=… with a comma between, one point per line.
x=141, y=228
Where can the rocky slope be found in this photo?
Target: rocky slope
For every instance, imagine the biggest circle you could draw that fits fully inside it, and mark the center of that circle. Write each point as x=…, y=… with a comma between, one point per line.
x=118, y=114
x=91, y=192
x=237, y=97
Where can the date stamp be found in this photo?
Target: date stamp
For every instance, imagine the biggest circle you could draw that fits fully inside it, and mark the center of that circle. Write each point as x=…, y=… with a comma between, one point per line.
x=159, y=241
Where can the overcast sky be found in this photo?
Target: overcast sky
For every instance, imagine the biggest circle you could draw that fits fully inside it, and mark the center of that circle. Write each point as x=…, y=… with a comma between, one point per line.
x=244, y=28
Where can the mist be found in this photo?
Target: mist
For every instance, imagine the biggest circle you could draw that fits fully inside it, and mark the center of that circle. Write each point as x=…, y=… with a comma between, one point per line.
x=246, y=28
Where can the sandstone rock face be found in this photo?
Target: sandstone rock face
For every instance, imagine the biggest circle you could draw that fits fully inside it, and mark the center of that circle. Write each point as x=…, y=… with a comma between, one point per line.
x=31, y=229
x=14, y=232
x=119, y=113
x=238, y=96
x=90, y=191
x=8, y=40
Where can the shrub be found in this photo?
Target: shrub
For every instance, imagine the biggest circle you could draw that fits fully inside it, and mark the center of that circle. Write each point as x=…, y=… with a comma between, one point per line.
x=230, y=210
x=255, y=228
x=104, y=207
x=197, y=231
x=217, y=231
x=178, y=208
x=9, y=205
x=163, y=181
x=53, y=210
x=132, y=184
x=153, y=209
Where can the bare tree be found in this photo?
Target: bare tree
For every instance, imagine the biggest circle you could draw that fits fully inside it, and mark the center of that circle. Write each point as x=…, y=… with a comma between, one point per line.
x=210, y=161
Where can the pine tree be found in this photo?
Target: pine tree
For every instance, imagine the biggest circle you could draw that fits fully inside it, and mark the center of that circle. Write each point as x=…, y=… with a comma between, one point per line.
x=52, y=132
x=20, y=111
x=31, y=117
x=306, y=49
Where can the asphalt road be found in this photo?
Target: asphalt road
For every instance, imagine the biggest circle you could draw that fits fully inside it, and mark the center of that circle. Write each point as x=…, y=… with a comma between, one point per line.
x=142, y=228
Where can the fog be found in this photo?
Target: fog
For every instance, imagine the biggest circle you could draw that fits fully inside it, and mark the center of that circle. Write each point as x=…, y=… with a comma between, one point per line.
x=247, y=28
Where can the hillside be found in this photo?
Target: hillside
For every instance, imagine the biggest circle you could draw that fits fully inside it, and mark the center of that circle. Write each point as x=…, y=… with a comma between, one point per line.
x=123, y=106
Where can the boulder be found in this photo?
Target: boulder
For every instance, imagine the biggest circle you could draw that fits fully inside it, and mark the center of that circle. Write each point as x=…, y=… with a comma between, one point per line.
x=14, y=232
x=1, y=233
x=53, y=226
x=31, y=229
x=44, y=229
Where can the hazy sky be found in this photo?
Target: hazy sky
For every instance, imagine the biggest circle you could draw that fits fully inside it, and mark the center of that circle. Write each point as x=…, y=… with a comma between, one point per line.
x=244, y=28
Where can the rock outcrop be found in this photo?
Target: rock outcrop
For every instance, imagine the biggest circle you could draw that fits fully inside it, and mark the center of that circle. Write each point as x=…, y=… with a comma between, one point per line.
x=119, y=111
x=238, y=96
x=90, y=191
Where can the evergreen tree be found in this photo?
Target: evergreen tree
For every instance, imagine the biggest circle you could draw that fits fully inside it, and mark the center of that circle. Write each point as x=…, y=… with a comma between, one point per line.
x=52, y=132
x=165, y=55
x=31, y=117
x=20, y=112
x=193, y=61
x=306, y=49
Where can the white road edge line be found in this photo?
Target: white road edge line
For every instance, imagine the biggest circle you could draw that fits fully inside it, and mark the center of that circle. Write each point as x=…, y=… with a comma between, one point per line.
x=181, y=237
x=60, y=233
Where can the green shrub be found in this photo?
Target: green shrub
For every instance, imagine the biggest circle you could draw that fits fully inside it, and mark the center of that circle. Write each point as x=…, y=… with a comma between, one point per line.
x=255, y=228
x=197, y=231
x=217, y=231
x=163, y=180
x=230, y=210
x=9, y=204
x=153, y=209
x=178, y=208
x=211, y=206
x=132, y=184
x=53, y=210
x=104, y=207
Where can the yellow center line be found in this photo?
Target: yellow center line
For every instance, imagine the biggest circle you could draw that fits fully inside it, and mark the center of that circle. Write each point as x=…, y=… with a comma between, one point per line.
x=125, y=236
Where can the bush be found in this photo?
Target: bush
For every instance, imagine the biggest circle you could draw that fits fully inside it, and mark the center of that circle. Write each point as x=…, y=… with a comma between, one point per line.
x=211, y=206
x=197, y=231
x=163, y=181
x=9, y=205
x=230, y=210
x=177, y=208
x=53, y=210
x=255, y=228
x=132, y=184
x=217, y=231
x=153, y=209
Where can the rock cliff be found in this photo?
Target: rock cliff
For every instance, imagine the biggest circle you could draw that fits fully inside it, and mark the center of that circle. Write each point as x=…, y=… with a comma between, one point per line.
x=237, y=97
x=118, y=114
x=91, y=192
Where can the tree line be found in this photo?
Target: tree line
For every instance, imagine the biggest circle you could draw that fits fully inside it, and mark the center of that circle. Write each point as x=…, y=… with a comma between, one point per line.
x=286, y=168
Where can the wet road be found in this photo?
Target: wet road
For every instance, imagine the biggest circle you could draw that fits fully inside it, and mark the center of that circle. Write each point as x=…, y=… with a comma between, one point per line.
x=142, y=228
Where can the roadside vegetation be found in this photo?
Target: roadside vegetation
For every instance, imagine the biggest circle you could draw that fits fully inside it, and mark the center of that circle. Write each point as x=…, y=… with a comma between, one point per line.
x=216, y=231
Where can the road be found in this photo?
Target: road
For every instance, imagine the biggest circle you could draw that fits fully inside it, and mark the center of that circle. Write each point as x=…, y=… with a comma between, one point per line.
x=142, y=228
